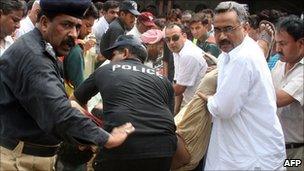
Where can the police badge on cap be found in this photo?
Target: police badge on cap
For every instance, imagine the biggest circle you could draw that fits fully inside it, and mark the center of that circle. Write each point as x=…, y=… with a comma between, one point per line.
x=75, y=8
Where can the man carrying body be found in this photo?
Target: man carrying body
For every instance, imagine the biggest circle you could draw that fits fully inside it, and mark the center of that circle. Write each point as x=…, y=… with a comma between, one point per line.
x=36, y=114
x=189, y=64
x=246, y=132
x=288, y=81
x=133, y=92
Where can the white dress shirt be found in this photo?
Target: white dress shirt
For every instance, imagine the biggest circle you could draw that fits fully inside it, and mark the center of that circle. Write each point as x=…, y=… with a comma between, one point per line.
x=26, y=25
x=190, y=66
x=292, y=115
x=134, y=31
x=6, y=43
x=99, y=28
x=246, y=132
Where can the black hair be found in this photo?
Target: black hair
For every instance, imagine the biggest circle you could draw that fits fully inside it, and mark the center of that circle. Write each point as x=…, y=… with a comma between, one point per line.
x=200, y=7
x=91, y=12
x=254, y=21
x=293, y=25
x=208, y=11
x=174, y=14
x=99, y=5
x=171, y=25
x=152, y=9
x=30, y=4
x=271, y=15
x=160, y=22
x=199, y=17
x=137, y=51
x=109, y=5
x=12, y=5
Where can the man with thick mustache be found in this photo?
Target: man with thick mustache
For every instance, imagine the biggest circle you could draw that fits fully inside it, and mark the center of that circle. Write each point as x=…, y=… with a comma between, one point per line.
x=36, y=114
x=246, y=132
x=288, y=78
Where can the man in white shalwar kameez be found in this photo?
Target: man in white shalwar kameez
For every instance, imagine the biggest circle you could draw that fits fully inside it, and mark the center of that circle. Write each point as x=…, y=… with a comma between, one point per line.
x=246, y=132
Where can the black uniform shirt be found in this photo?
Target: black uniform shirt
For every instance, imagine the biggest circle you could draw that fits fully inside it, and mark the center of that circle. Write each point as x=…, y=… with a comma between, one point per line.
x=132, y=92
x=116, y=28
x=33, y=104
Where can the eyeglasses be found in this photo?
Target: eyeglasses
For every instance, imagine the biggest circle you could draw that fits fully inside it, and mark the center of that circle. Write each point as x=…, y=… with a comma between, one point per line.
x=228, y=29
x=174, y=38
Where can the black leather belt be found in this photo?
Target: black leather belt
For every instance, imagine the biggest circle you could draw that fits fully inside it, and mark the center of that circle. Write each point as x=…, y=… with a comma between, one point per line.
x=294, y=145
x=30, y=149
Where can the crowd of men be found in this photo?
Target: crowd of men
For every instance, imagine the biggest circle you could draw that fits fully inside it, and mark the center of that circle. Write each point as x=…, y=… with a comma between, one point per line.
x=105, y=86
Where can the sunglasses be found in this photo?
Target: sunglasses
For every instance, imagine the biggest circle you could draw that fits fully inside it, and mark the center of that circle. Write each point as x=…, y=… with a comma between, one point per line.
x=174, y=38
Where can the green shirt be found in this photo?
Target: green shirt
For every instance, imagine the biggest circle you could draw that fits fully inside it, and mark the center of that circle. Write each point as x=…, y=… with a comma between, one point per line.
x=209, y=48
x=74, y=66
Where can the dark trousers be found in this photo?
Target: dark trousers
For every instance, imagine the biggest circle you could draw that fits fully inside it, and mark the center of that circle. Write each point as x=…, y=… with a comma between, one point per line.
x=150, y=164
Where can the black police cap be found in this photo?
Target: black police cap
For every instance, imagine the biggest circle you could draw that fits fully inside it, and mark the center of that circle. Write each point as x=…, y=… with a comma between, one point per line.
x=130, y=40
x=75, y=8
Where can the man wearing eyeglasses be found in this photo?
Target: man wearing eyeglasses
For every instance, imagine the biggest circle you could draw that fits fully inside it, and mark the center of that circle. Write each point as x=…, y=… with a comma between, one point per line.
x=246, y=132
x=189, y=64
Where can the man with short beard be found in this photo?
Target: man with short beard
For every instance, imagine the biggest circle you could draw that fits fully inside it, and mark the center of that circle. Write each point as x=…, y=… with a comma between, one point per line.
x=124, y=23
x=73, y=65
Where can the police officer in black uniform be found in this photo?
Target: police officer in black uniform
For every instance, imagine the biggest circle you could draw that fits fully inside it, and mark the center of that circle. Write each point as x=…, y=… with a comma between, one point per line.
x=35, y=113
x=133, y=92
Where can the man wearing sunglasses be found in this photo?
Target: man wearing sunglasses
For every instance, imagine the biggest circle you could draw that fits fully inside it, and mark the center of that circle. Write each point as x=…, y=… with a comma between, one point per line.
x=189, y=64
x=246, y=132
